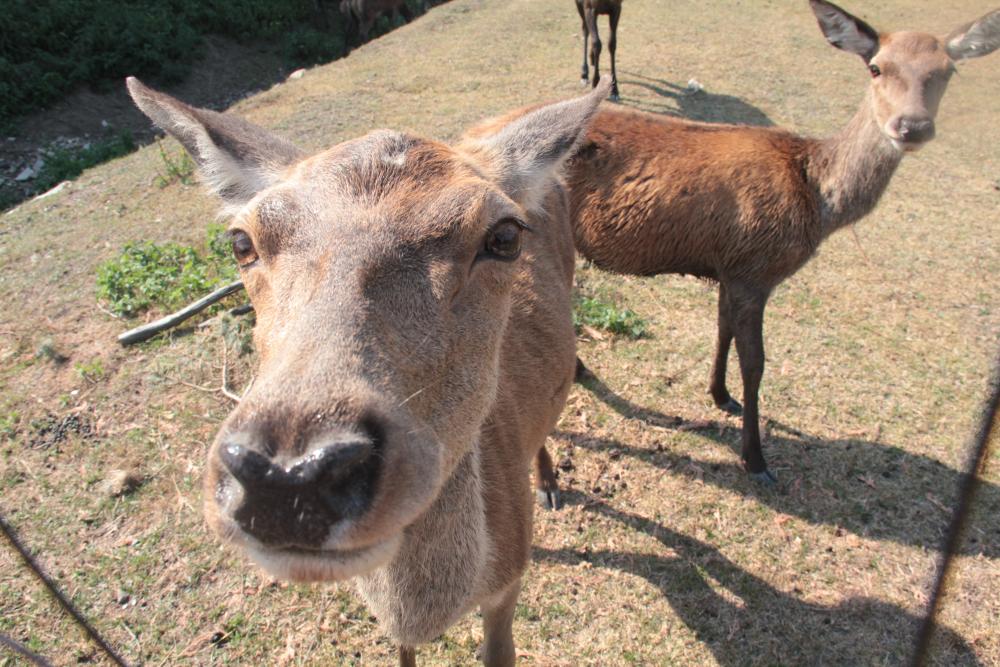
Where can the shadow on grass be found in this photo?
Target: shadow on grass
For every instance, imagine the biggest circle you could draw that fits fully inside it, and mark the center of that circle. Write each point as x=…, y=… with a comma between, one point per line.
x=694, y=105
x=869, y=488
x=755, y=623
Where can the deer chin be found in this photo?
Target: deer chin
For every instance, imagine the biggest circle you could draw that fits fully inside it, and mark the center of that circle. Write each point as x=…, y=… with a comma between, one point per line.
x=309, y=565
x=904, y=146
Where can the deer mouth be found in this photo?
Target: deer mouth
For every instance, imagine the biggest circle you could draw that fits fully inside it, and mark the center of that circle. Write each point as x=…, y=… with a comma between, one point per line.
x=315, y=565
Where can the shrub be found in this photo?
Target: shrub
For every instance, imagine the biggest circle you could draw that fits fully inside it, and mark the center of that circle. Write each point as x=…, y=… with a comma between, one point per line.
x=601, y=315
x=165, y=275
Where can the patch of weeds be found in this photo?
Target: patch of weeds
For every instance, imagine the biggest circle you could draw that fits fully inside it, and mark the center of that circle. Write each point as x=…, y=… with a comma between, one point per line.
x=63, y=164
x=599, y=314
x=175, y=169
x=165, y=275
x=91, y=371
x=8, y=425
x=47, y=350
x=237, y=332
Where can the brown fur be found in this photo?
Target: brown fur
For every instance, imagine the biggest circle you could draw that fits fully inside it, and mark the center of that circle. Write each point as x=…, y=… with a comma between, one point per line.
x=386, y=332
x=748, y=206
x=589, y=10
x=362, y=14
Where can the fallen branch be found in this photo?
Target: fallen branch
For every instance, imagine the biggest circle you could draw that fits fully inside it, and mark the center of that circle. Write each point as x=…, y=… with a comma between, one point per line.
x=147, y=331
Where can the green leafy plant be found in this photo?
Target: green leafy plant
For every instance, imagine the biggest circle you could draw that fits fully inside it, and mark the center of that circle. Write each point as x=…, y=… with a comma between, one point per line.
x=598, y=314
x=167, y=275
x=175, y=169
x=91, y=371
x=62, y=164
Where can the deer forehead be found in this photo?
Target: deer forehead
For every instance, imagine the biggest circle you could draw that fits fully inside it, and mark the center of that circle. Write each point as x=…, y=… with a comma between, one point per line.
x=912, y=54
x=385, y=189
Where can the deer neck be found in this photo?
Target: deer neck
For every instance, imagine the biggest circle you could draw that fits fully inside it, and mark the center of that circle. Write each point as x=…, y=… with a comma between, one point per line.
x=852, y=169
x=435, y=577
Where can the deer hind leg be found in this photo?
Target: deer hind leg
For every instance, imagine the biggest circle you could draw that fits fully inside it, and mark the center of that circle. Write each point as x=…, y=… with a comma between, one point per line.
x=613, y=17
x=546, y=486
x=407, y=656
x=595, y=45
x=746, y=313
x=498, y=629
x=584, y=71
x=717, y=387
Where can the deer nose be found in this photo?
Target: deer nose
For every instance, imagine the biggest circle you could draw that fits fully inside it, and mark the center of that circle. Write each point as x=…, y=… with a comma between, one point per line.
x=915, y=129
x=295, y=503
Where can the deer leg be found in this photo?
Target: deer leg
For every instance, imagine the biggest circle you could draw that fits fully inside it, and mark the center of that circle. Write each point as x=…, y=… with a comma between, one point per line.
x=498, y=629
x=746, y=313
x=546, y=486
x=407, y=656
x=616, y=12
x=584, y=72
x=717, y=388
x=595, y=45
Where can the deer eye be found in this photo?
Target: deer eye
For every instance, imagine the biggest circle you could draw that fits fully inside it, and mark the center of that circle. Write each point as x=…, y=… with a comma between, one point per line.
x=875, y=71
x=243, y=249
x=503, y=241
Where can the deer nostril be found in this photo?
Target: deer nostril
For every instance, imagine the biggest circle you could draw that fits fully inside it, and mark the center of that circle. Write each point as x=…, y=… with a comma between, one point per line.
x=250, y=468
x=328, y=465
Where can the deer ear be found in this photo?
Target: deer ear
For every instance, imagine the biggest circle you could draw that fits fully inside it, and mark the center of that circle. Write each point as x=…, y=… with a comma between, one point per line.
x=236, y=159
x=845, y=31
x=975, y=39
x=525, y=153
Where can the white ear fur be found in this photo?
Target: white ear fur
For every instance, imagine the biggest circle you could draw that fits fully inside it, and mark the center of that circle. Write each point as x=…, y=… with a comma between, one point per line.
x=236, y=159
x=525, y=154
x=975, y=39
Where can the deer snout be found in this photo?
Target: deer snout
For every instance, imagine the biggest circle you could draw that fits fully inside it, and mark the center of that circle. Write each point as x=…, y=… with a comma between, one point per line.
x=295, y=503
x=913, y=130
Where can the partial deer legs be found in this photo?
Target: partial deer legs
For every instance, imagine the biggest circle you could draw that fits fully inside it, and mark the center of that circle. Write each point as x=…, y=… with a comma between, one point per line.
x=584, y=72
x=613, y=17
x=746, y=318
x=498, y=632
x=407, y=656
x=546, y=486
x=717, y=388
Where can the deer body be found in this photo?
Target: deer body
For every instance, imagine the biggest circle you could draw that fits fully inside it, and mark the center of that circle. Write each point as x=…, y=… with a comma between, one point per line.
x=362, y=14
x=415, y=348
x=748, y=206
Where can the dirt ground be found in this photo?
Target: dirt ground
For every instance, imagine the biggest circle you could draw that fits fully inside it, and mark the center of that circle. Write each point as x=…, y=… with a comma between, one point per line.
x=878, y=361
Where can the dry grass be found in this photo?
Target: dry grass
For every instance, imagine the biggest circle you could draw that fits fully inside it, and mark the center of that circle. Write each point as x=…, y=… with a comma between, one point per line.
x=666, y=554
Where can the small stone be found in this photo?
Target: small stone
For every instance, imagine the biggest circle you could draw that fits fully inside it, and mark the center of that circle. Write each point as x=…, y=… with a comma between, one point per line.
x=122, y=598
x=120, y=483
x=297, y=74
x=26, y=174
x=694, y=86
x=105, y=124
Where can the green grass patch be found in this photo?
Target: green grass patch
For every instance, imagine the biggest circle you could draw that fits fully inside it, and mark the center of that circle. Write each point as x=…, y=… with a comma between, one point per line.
x=168, y=275
x=599, y=314
x=63, y=164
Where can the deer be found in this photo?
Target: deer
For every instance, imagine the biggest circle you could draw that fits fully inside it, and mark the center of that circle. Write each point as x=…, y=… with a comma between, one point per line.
x=589, y=11
x=362, y=14
x=746, y=206
x=415, y=348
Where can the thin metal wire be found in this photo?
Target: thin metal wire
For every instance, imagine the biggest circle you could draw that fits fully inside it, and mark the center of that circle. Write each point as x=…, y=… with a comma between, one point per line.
x=70, y=608
x=24, y=651
x=967, y=492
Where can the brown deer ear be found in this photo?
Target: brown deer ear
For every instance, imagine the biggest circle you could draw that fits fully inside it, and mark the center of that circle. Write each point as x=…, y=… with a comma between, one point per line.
x=236, y=159
x=523, y=155
x=844, y=30
x=975, y=39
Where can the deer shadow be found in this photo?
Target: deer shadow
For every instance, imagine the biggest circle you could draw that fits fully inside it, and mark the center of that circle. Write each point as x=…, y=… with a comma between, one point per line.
x=753, y=622
x=872, y=489
x=694, y=104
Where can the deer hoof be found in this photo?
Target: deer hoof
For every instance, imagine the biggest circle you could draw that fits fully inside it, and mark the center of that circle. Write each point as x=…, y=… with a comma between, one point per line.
x=765, y=478
x=614, y=97
x=732, y=406
x=549, y=499
x=584, y=80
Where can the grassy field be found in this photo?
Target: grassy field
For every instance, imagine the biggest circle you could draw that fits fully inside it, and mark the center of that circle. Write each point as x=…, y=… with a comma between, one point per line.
x=878, y=352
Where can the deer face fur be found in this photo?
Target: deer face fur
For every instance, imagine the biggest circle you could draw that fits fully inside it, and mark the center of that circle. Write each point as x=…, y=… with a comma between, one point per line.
x=910, y=70
x=401, y=289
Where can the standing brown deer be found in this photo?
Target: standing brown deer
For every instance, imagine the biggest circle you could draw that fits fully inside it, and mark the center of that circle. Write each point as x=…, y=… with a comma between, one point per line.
x=589, y=11
x=748, y=206
x=416, y=348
